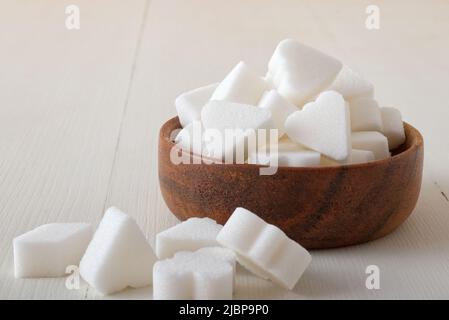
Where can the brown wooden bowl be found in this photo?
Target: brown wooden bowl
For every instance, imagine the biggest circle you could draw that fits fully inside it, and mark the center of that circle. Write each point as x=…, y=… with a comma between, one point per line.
x=319, y=207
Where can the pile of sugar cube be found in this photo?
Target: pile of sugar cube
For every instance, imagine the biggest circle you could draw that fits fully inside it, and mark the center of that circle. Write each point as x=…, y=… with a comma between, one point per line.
x=324, y=112
x=195, y=259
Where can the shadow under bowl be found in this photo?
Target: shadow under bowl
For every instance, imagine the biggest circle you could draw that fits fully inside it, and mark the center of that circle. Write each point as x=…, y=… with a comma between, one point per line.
x=319, y=207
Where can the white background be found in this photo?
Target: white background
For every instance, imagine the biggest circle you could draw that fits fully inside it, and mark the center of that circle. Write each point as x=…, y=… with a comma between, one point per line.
x=80, y=113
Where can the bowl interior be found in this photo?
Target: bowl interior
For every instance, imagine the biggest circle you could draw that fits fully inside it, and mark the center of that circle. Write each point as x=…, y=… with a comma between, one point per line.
x=413, y=140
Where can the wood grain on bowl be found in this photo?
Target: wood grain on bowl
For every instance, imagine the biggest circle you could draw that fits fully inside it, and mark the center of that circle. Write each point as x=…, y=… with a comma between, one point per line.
x=319, y=207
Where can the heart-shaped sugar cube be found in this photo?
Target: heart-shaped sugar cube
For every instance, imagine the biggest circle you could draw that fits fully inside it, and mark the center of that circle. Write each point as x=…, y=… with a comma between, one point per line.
x=300, y=72
x=323, y=125
x=118, y=256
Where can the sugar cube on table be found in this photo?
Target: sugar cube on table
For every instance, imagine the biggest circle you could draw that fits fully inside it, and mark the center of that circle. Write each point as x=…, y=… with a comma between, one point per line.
x=206, y=274
x=300, y=72
x=372, y=141
x=285, y=153
x=393, y=127
x=323, y=125
x=356, y=156
x=279, y=107
x=365, y=115
x=264, y=248
x=351, y=85
x=189, y=104
x=190, y=235
x=241, y=85
x=48, y=250
x=118, y=256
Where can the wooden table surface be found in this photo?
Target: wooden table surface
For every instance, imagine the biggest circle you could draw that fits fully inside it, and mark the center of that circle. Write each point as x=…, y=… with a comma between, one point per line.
x=80, y=112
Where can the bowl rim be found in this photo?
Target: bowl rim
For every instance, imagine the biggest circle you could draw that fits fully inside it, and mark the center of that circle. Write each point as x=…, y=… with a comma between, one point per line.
x=416, y=142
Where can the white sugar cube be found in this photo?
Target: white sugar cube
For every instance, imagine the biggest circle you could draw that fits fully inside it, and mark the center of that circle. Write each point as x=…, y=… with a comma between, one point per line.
x=285, y=153
x=48, y=250
x=215, y=145
x=236, y=124
x=351, y=85
x=118, y=256
x=356, y=156
x=372, y=141
x=189, y=104
x=323, y=125
x=279, y=107
x=365, y=115
x=200, y=275
x=299, y=72
x=190, y=235
x=228, y=115
x=361, y=156
x=264, y=248
x=393, y=128
x=241, y=85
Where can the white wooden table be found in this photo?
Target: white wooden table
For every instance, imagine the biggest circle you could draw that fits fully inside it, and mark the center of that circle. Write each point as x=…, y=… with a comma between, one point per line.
x=80, y=112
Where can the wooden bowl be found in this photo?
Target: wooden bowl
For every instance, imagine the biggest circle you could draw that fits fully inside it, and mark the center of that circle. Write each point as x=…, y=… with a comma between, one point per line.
x=319, y=207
